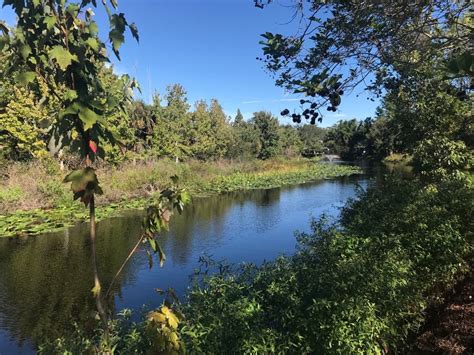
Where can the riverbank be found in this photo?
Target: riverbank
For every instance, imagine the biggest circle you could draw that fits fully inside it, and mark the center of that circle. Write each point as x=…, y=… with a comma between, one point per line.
x=33, y=200
x=450, y=326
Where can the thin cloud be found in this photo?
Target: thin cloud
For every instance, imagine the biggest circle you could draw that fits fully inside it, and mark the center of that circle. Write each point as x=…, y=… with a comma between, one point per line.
x=337, y=115
x=267, y=101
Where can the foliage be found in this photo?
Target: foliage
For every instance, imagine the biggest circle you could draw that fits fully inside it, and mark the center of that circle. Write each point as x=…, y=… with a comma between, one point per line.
x=170, y=133
x=22, y=131
x=156, y=333
x=269, y=179
x=359, y=287
x=340, y=44
x=158, y=214
x=245, y=141
x=290, y=142
x=210, y=131
x=312, y=140
x=267, y=128
x=442, y=158
x=84, y=184
x=57, y=42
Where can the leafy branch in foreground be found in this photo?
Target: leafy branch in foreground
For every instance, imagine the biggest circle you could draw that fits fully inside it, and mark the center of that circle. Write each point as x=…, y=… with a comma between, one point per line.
x=158, y=215
x=56, y=42
x=161, y=324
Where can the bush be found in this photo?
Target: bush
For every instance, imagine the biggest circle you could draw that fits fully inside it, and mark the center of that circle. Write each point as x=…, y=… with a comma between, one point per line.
x=357, y=287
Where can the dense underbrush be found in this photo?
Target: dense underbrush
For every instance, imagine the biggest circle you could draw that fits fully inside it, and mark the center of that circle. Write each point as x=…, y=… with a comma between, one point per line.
x=358, y=287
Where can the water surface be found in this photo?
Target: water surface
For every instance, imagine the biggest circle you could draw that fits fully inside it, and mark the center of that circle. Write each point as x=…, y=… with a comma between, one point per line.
x=45, y=281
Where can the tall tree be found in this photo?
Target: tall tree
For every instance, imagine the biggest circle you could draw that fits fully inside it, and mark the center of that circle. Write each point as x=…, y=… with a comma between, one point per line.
x=267, y=127
x=221, y=128
x=202, y=140
x=171, y=135
x=239, y=119
x=290, y=141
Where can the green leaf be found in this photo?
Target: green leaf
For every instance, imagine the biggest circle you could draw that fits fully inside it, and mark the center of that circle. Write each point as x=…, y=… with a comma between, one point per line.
x=116, y=38
x=72, y=109
x=49, y=21
x=88, y=116
x=62, y=56
x=25, y=51
x=185, y=197
x=80, y=178
x=152, y=243
x=70, y=95
x=93, y=43
x=25, y=78
x=84, y=184
x=93, y=29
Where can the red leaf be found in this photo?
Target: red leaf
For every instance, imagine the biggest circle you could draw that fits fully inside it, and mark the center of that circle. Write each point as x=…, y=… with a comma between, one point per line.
x=93, y=146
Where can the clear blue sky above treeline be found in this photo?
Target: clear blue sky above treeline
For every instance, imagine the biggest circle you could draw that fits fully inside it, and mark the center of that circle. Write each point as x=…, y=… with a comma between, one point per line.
x=210, y=47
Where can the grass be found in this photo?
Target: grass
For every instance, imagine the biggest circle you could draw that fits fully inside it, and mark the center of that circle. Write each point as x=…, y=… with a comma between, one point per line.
x=33, y=200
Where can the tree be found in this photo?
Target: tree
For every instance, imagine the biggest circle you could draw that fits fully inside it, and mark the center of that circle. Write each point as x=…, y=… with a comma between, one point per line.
x=143, y=122
x=56, y=42
x=312, y=140
x=21, y=133
x=220, y=128
x=342, y=43
x=118, y=120
x=171, y=135
x=239, y=119
x=267, y=127
x=290, y=141
x=244, y=141
x=203, y=144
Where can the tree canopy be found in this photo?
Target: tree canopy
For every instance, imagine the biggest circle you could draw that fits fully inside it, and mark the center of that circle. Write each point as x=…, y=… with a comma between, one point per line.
x=343, y=44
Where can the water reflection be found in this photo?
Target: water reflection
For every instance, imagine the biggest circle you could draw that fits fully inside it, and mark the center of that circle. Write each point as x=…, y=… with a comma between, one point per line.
x=46, y=281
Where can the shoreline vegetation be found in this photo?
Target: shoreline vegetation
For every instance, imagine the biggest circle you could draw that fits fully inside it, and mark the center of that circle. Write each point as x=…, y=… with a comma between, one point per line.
x=33, y=199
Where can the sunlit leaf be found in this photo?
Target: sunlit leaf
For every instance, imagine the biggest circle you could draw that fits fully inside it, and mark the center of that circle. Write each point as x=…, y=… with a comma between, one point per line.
x=62, y=56
x=50, y=21
x=93, y=43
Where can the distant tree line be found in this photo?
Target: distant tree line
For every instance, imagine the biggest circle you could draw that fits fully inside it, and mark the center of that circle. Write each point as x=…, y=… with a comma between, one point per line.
x=170, y=127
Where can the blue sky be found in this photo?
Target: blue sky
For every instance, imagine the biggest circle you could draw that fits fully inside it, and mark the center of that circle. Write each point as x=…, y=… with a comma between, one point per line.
x=210, y=47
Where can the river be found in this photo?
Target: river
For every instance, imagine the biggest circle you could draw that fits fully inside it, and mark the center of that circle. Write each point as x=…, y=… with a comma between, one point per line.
x=46, y=281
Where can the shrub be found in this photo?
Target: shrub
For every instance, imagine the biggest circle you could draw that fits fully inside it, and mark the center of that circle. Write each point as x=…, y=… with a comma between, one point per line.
x=357, y=287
